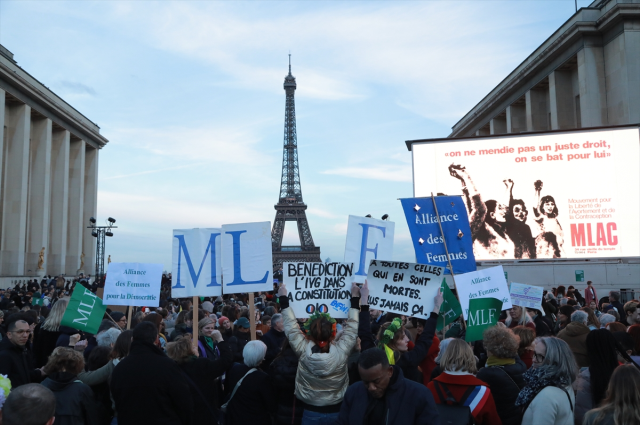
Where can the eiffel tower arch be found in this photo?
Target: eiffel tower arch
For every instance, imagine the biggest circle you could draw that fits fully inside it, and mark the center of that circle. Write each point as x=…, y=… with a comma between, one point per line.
x=290, y=206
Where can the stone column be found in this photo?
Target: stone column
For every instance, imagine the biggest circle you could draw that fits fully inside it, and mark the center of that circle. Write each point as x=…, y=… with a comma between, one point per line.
x=90, y=207
x=537, y=110
x=39, y=193
x=561, y=101
x=75, y=222
x=516, y=119
x=15, y=186
x=498, y=125
x=591, y=80
x=57, y=255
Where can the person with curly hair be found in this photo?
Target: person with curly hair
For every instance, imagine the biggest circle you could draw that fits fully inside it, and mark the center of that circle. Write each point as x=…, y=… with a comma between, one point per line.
x=322, y=378
x=75, y=404
x=503, y=372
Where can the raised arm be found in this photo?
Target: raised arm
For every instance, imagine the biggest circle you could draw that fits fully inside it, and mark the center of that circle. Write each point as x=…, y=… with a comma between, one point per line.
x=476, y=208
x=296, y=338
x=419, y=352
x=537, y=185
x=367, y=340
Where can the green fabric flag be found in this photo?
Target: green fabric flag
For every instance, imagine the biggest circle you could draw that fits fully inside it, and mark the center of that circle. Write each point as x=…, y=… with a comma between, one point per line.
x=85, y=311
x=450, y=309
x=483, y=313
x=37, y=301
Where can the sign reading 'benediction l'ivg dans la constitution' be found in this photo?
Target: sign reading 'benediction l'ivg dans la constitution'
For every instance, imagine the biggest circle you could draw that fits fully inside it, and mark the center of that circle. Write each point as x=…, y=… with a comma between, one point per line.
x=135, y=284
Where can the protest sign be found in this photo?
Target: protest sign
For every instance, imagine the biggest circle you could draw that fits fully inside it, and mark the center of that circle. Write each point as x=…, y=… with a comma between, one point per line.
x=403, y=288
x=196, y=263
x=486, y=283
x=135, y=284
x=367, y=239
x=450, y=309
x=319, y=287
x=247, y=265
x=84, y=311
x=483, y=313
x=526, y=296
x=429, y=242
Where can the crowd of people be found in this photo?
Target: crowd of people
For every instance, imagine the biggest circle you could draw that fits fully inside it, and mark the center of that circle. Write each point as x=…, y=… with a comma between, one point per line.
x=574, y=361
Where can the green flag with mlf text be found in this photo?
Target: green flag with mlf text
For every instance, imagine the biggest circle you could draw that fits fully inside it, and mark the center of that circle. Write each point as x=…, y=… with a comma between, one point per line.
x=450, y=309
x=483, y=313
x=84, y=312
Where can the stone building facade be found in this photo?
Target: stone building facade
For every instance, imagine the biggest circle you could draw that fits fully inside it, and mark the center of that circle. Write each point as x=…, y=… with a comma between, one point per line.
x=48, y=179
x=587, y=74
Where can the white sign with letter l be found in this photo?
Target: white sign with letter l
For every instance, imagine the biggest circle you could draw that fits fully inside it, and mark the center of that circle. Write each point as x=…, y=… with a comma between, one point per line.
x=247, y=264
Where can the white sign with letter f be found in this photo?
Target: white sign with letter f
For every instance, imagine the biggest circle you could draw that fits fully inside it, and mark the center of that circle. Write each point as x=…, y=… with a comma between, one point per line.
x=367, y=239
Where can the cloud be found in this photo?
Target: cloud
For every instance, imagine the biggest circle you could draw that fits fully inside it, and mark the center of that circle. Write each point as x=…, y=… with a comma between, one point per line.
x=321, y=213
x=395, y=173
x=160, y=170
x=73, y=87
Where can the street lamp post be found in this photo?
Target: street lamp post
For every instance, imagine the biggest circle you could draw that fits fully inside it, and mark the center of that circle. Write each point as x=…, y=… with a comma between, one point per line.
x=100, y=232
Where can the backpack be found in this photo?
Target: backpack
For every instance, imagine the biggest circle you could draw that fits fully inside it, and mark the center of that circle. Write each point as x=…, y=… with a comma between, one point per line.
x=454, y=412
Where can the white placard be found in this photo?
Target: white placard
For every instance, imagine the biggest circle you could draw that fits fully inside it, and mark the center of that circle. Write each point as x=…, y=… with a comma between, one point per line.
x=319, y=287
x=247, y=264
x=526, y=296
x=486, y=283
x=404, y=288
x=367, y=239
x=197, y=268
x=134, y=284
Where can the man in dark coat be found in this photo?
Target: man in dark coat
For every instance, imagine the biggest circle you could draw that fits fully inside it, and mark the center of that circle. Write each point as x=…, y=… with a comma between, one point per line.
x=384, y=395
x=148, y=387
x=273, y=340
x=16, y=360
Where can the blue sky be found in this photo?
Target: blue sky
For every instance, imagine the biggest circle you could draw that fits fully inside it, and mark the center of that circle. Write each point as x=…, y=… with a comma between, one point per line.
x=190, y=96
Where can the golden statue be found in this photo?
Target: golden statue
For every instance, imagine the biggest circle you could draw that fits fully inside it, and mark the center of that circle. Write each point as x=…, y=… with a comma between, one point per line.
x=109, y=260
x=82, y=261
x=41, y=259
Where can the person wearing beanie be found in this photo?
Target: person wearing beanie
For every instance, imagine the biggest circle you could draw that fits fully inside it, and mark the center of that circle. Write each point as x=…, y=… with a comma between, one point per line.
x=120, y=319
x=207, y=307
x=224, y=324
x=241, y=335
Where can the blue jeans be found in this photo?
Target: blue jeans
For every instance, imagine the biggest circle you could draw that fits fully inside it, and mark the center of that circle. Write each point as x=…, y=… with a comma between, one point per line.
x=315, y=418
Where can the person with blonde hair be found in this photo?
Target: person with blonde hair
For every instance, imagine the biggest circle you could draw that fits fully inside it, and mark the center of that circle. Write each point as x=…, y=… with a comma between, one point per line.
x=47, y=333
x=517, y=316
x=458, y=382
x=75, y=403
x=208, y=339
x=622, y=403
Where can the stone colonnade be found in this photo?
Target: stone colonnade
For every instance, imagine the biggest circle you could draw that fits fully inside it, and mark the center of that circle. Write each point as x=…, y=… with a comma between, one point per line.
x=48, y=191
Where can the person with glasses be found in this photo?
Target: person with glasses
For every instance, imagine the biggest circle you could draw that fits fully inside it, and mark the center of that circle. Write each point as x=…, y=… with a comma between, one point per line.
x=548, y=396
x=15, y=356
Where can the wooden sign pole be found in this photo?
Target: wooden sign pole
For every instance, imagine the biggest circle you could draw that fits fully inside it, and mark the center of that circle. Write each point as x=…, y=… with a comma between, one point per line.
x=446, y=250
x=129, y=317
x=252, y=316
x=194, y=325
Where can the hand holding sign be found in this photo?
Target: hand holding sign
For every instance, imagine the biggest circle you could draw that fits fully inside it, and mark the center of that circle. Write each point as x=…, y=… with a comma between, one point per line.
x=355, y=290
x=437, y=301
x=364, y=293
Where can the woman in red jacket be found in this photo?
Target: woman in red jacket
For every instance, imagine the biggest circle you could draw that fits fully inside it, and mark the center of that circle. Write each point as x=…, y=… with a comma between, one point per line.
x=458, y=378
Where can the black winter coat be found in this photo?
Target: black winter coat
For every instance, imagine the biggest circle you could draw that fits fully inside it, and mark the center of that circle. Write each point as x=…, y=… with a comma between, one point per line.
x=149, y=388
x=209, y=353
x=282, y=372
x=237, y=343
x=17, y=364
x=410, y=360
x=75, y=404
x=43, y=344
x=505, y=383
x=65, y=334
x=543, y=327
x=406, y=403
x=273, y=340
x=255, y=401
x=203, y=373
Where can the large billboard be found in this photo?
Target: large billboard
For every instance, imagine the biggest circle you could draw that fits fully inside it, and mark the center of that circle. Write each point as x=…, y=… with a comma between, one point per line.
x=556, y=195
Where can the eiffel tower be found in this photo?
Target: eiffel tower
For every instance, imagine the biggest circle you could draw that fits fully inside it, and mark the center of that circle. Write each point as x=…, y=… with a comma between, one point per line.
x=290, y=206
